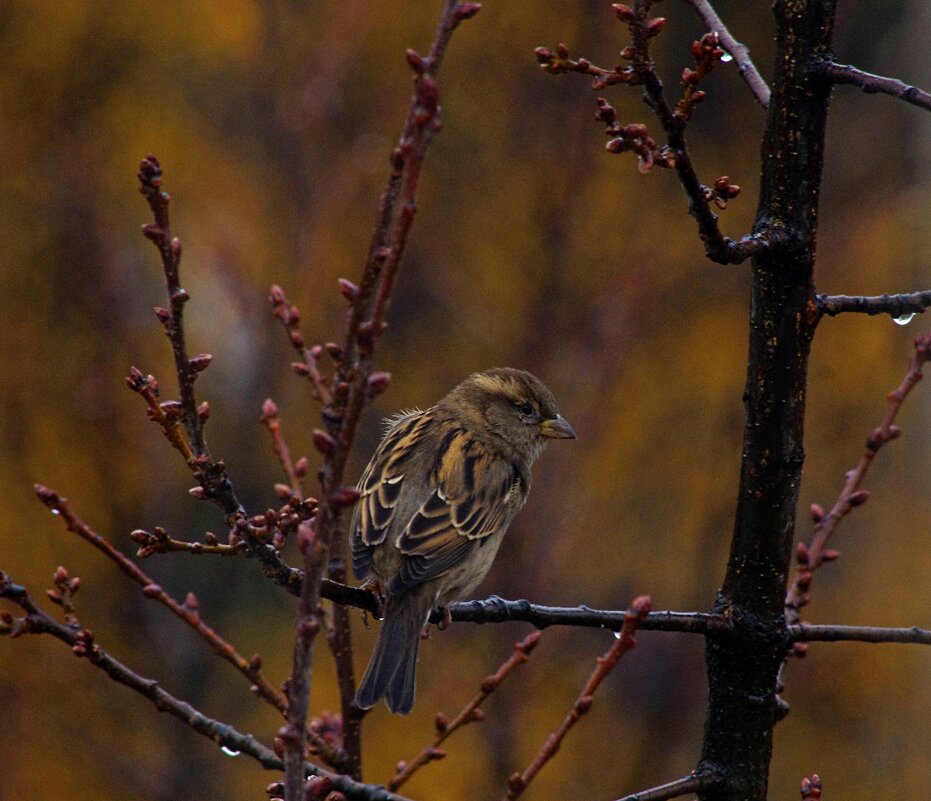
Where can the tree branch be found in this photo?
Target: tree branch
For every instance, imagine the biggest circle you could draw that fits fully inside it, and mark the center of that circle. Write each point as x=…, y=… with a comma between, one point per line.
x=82, y=643
x=873, y=84
x=471, y=713
x=353, y=385
x=893, y=305
x=188, y=612
x=692, y=783
x=739, y=51
x=639, y=608
x=806, y=632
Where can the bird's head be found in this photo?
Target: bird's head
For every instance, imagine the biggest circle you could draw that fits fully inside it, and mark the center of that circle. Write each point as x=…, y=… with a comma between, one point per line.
x=512, y=409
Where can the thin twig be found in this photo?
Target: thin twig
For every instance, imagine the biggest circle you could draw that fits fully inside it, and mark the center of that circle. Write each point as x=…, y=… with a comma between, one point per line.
x=471, y=712
x=352, y=387
x=871, y=84
x=692, y=783
x=188, y=612
x=82, y=643
x=893, y=305
x=810, y=557
x=739, y=51
x=271, y=419
x=639, y=608
x=169, y=248
x=807, y=632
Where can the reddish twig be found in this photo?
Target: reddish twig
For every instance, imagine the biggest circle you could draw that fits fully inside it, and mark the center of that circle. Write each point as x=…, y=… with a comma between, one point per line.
x=893, y=305
x=872, y=84
x=169, y=248
x=811, y=788
x=639, y=608
x=83, y=644
x=271, y=419
x=471, y=712
x=739, y=51
x=675, y=153
x=159, y=542
x=692, y=783
x=308, y=366
x=355, y=383
x=810, y=557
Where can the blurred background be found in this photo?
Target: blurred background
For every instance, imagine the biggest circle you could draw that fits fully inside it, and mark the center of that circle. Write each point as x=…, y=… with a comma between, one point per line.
x=534, y=248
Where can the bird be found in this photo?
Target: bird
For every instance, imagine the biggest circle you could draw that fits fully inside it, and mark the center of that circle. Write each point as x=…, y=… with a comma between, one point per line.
x=434, y=504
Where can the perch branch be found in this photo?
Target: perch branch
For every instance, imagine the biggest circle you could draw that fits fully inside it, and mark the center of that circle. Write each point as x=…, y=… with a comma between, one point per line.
x=872, y=84
x=639, y=608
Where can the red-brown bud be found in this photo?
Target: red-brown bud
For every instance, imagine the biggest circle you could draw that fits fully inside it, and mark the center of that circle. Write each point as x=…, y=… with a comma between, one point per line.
x=151, y=590
x=378, y=383
x=859, y=498
x=200, y=362
x=300, y=368
x=655, y=26
x=323, y=442
x=301, y=466
x=466, y=10
x=624, y=13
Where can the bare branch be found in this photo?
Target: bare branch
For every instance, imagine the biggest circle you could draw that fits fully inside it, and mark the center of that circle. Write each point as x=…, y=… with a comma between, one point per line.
x=498, y=610
x=739, y=51
x=271, y=419
x=692, y=783
x=355, y=383
x=251, y=669
x=639, y=608
x=82, y=643
x=872, y=84
x=471, y=713
x=169, y=248
x=806, y=632
x=893, y=305
x=810, y=557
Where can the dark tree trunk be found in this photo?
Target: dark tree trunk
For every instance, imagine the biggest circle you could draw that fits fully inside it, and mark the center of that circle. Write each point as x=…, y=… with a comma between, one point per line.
x=742, y=668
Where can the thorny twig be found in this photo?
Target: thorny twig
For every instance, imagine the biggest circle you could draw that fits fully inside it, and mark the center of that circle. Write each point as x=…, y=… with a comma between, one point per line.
x=83, y=644
x=471, y=712
x=639, y=608
x=354, y=383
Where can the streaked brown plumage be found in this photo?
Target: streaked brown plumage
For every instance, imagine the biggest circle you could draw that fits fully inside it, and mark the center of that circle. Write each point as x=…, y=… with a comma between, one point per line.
x=436, y=500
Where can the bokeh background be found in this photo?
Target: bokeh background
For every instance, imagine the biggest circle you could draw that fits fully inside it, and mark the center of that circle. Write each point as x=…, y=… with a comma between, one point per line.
x=533, y=247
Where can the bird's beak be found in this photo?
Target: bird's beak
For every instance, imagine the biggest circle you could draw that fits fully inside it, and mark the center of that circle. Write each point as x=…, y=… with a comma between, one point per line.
x=557, y=428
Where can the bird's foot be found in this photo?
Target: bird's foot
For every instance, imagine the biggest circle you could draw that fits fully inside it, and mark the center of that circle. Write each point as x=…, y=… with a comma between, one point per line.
x=374, y=586
x=445, y=619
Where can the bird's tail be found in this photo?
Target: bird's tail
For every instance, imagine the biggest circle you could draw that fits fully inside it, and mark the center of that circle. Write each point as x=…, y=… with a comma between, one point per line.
x=391, y=671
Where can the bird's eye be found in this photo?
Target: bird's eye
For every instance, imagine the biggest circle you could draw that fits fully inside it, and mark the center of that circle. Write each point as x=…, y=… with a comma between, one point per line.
x=525, y=409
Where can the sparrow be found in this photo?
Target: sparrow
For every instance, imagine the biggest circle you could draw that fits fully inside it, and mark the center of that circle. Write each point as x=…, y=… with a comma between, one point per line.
x=434, y=503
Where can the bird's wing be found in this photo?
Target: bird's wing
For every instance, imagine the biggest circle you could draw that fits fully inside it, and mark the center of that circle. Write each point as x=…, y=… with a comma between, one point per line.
x=475, y=494
x=380, y=488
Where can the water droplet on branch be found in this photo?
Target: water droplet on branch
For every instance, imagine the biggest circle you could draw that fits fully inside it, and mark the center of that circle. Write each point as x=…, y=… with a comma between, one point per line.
x=229, y=751
x=904, y=319
x=726, y=57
